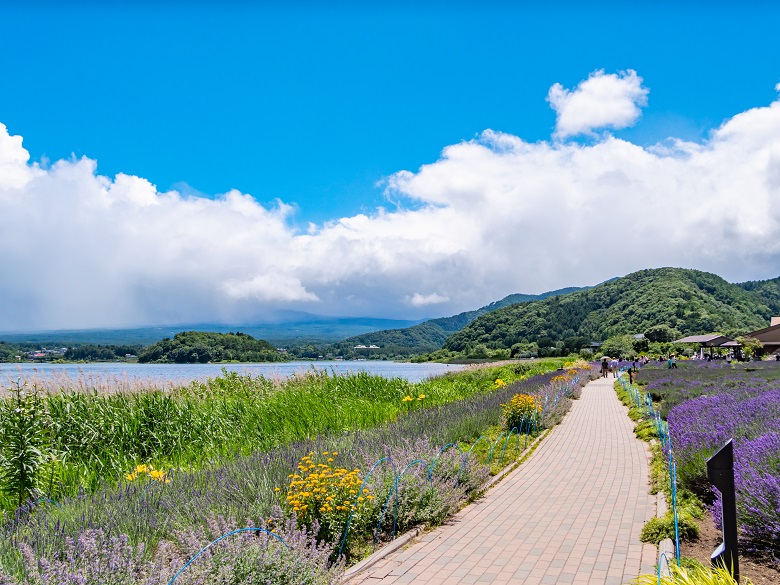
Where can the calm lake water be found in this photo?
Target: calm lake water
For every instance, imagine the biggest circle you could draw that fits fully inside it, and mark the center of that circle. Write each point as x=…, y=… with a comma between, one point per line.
x=129, y=375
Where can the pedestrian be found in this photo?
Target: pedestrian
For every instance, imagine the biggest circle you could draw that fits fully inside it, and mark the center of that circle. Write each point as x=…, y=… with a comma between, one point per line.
x=613, y=365
x=604, y=367
x=631, y=371
x=674, y=362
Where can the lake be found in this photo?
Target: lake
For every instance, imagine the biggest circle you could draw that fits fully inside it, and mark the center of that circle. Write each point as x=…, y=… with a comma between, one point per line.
x=126, y=375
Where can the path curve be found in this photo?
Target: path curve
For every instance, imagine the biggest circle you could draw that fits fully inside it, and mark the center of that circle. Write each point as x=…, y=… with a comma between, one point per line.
x=572, y=513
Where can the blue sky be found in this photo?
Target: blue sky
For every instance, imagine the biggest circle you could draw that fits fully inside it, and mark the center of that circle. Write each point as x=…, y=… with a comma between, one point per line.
x=216, y=162
x=315, y=105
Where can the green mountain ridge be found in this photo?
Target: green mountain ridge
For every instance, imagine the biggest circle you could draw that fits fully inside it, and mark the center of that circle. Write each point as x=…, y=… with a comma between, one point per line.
x=688, y=301
x=432, y=334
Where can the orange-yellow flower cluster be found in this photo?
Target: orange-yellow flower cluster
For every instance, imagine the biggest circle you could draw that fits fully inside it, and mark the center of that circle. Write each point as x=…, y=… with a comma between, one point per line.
x=147, y=470
x=500, y=383
x=519, y=409
x=320, y=491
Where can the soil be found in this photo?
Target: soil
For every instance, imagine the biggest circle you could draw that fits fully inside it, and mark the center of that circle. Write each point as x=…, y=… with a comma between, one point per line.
x=758, y=570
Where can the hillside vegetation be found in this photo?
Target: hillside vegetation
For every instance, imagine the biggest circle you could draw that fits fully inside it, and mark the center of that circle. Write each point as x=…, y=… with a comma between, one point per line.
x=667, y=302
x=431, y=335
x=192, y=347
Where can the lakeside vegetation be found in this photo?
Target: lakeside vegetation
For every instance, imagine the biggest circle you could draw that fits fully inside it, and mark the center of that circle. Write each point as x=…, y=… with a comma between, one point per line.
x=152, y=518
x=87, y=438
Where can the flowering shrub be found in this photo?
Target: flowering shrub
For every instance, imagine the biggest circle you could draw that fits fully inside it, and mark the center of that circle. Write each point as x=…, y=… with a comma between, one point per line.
x=521, y=408
x=323, y=495
x=247, y=558
x=712, y=405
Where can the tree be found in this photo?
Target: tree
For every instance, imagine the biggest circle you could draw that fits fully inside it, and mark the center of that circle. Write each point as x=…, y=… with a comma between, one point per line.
x=619, y=345
x=660, y=333
x=750, y=345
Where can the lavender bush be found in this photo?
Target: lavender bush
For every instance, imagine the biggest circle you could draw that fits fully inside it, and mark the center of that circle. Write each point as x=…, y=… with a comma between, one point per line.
x=718, y=403
x=243, y=559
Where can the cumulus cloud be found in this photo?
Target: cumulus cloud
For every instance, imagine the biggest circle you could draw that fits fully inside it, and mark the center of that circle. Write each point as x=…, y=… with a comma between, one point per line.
x=601, y=101
x=493, y=216
x=419, y=300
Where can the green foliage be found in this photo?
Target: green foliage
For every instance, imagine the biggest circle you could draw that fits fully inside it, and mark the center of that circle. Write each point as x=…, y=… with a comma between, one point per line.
x=750, y=345
x=190, y=347
x=618, y=346
x=686, y=301
x=645, y=430
x=691, y=573
x=658, y=529
x=22, y=442
x=661, y=333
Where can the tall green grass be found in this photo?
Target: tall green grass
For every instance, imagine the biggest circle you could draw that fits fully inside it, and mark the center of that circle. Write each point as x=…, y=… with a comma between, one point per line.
x=93, y=438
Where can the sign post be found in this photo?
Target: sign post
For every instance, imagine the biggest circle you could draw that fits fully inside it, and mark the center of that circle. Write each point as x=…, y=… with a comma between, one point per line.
x=720, y=472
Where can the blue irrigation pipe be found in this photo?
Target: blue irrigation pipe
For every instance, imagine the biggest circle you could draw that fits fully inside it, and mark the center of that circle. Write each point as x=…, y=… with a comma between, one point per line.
x=466, y=457
x=673, y=479
x=509, y=436
x=663, y=556
x=394, y=491
x=490, y=455
x=435, y=459
x=223, y=537
x=357, y=497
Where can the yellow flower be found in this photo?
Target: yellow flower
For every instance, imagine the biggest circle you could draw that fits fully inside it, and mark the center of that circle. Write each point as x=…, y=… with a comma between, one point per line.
x=421, y=397
x=330, y=459
x=278, y=489
x=131, y=476
x=407, y=399
x=143, y=468
x=157, y=475
x=335, y=453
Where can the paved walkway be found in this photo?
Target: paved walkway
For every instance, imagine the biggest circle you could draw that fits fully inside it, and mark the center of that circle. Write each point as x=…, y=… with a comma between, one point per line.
x=572, y=513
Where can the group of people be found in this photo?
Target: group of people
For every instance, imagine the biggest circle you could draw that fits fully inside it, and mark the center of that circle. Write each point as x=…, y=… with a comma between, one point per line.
x=613, y=365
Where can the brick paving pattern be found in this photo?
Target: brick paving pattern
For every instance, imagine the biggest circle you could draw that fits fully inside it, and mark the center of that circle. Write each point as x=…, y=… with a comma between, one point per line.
x=572, y=513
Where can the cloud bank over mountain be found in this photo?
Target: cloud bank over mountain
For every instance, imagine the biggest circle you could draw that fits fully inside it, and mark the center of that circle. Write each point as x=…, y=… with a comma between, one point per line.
x=493, y=216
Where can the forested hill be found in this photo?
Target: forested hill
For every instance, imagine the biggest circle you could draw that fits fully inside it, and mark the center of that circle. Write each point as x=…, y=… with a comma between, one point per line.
x=676, y=301
x=191, y=347
x=430, y=335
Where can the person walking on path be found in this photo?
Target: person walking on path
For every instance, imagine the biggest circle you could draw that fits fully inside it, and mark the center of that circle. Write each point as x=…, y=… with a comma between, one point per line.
x=572, y=513
x=604, y=367
x=613, y=365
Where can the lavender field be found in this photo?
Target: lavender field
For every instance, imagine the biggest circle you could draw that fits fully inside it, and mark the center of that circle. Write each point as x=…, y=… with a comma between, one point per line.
x=708, y=403
x=144, y=529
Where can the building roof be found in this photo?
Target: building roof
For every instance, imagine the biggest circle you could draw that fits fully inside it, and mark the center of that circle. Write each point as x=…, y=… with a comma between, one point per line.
x=709, y=340
x=774, y=321
x=768, y=336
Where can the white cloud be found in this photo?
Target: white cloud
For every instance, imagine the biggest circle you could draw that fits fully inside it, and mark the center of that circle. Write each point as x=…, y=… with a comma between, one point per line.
x=601, y=101
x=419, y=300
x=493, y=216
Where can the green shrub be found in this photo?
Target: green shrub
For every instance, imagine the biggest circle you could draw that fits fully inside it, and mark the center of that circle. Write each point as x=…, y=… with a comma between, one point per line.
x=658, y=529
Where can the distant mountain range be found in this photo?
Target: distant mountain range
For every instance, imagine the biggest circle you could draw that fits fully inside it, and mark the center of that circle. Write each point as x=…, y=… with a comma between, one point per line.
x=288, y=329
x=431, y=335
x=684, y=301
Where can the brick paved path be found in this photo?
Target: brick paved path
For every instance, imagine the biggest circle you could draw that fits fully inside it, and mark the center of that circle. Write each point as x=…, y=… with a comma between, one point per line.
x=572, y=513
